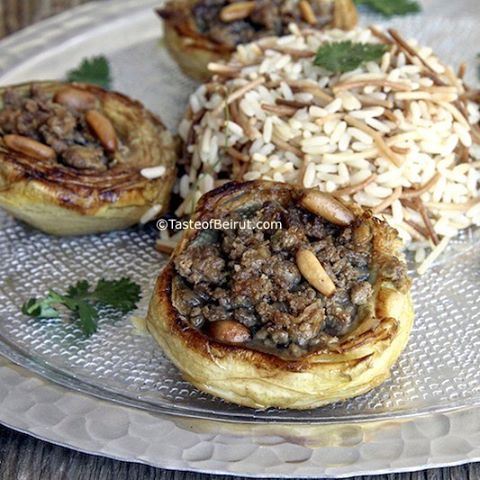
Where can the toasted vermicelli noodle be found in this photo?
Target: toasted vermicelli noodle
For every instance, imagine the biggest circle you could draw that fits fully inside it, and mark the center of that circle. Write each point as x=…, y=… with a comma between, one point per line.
x=398, y=136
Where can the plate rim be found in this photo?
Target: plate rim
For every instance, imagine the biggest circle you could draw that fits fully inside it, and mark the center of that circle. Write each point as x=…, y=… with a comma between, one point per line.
x=36, y=392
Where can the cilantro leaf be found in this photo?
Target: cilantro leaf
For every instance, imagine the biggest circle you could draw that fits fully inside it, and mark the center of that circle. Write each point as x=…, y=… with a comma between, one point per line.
x=94, y=70
x=79, y=290
x=39, y=308
x=88, y=317
x=120, y=294
x=390, y=8
x=341, y=57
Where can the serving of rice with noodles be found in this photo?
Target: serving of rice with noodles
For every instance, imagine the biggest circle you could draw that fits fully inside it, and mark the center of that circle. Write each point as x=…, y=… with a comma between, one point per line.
x=399, y=135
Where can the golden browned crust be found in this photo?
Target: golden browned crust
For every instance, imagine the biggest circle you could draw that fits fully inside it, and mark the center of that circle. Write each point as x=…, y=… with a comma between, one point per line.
x=358, y=362
x=193, y=51
x=63, y=200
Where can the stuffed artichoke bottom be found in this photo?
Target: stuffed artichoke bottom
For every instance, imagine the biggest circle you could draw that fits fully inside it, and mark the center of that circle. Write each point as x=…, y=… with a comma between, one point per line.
x=77, y=159
x=312, y=311
x=198, y=32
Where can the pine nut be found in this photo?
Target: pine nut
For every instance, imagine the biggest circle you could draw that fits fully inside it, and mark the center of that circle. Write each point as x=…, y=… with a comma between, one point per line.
x=236, y=11
x=345, y=14
x=314, y=273
x=307, y=12
x=75, y=98
x=229, y=331
x=326, y=206
x=103, y=129
x=29, y=147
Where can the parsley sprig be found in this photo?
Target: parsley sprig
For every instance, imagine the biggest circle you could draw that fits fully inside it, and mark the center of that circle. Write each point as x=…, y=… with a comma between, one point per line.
x=122, y=295
x=94, y=70
x=341, y=57
x=390, y=8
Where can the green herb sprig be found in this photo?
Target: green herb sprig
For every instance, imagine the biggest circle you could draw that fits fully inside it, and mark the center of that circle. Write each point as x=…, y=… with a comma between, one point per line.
x=122, y=295
x=341, y=57
x=94, y=70
x=390, y=8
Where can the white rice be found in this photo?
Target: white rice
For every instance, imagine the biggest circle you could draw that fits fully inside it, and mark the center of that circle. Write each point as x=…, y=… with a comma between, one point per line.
x=296, y=122
x=151, y=214
x=153, y=172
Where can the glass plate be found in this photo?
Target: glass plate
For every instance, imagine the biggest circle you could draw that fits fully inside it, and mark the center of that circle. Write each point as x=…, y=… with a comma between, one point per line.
x=438, y=371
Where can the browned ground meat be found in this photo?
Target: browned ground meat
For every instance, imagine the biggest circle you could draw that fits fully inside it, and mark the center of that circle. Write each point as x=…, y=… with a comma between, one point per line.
x=270, y=17
x=38, y=117
x=202, y=264
x=251, y=276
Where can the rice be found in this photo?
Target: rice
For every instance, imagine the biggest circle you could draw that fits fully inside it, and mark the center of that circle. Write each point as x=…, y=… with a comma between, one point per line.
x=151, y=214
x=397, y=136
x=153, y=172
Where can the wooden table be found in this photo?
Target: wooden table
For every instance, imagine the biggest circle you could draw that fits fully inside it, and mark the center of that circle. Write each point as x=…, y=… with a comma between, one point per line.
x=23, y=457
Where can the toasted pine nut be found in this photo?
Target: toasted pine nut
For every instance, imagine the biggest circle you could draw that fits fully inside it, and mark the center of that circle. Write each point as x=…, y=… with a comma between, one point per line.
x=103, y=129
x=229, y=331
x=236, y=11
x=307, y=12
x=75, y=98
x=314, y=273
x=345, y=14
x=328, y=207
x=29, y=147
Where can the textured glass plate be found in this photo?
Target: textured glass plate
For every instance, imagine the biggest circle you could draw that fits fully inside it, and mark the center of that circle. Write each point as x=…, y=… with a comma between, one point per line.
x=439, y=369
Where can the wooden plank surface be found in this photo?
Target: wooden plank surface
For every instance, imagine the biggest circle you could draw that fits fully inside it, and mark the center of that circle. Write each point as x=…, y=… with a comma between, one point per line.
x=16, y=14
x=23, y=457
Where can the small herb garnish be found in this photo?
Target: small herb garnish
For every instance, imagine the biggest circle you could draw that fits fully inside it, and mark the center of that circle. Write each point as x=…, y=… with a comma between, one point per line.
x=341, y=57
x=390, y=8
x=94, y=70
x=120, y=294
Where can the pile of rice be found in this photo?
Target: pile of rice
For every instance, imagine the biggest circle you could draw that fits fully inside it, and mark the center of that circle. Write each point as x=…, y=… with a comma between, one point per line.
x=399, y=136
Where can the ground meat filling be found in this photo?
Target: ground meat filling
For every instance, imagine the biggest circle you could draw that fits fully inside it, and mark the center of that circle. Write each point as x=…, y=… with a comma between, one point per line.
x=63, y=129
x=250, y=277
x=269, y=17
